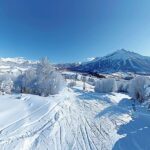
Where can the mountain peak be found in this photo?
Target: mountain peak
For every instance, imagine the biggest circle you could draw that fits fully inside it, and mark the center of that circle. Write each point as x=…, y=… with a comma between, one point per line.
x=122, y=50
x=120, y=60
x=123, y=55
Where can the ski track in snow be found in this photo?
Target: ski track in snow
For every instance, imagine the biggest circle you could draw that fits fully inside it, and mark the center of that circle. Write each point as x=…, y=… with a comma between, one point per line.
x=77, y=121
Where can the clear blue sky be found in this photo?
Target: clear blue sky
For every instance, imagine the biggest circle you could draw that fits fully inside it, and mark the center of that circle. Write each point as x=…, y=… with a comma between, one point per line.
x=72, y=30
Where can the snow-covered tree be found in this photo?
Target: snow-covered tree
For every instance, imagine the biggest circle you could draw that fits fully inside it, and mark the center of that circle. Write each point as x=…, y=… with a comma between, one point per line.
x=50, y=83
x=6, y=83
x=123, y=86
x=44, y=68
x=44, y=80
x=6, y=86
x=106, y=86
x=25, y=83
x=138, y=88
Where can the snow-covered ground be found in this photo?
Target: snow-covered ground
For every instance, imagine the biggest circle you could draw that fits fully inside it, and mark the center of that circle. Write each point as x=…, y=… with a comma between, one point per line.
x=73, y=120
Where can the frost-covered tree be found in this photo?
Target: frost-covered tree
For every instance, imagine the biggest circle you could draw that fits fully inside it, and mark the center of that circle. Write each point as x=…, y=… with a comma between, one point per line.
x=44, y=68
x=138, y=88
x=6, y=83
x=49, y=81
x=106, y=86
x=44, y=80
x=25, y=83
x=6, y=86
x=123, y=86
x=52, y=83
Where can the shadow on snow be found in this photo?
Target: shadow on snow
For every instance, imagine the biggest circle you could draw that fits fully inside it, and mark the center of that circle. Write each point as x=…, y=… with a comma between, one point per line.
x=136, y=133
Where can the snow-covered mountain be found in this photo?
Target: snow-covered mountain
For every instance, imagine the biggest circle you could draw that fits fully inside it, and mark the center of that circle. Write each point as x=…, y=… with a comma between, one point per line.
x=121, y=60
x=15, y=65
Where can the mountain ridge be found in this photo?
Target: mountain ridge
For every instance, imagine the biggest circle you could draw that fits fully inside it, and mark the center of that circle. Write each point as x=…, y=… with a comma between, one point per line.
x=119, y=61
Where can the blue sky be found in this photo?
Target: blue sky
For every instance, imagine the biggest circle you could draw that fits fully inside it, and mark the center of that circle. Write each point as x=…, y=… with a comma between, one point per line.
x=73, y=30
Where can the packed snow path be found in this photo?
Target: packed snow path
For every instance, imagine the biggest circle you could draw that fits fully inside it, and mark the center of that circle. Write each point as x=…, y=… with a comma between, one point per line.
x=76, y=120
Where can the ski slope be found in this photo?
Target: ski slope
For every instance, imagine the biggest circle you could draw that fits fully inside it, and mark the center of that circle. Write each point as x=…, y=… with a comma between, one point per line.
x=73, y=120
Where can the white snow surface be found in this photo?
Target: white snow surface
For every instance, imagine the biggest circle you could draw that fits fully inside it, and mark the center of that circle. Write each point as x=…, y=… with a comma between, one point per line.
x=73, y=120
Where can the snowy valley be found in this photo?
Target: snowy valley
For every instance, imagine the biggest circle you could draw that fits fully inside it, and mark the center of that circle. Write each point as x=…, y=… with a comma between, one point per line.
x=48, y=108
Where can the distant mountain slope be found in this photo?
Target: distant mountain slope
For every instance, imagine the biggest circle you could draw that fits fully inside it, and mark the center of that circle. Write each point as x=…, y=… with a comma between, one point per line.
x=120, y=60
x=15, y=65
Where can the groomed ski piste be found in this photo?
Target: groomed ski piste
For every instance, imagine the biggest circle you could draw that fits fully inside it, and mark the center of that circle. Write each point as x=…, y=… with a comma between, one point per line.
x=73, y=120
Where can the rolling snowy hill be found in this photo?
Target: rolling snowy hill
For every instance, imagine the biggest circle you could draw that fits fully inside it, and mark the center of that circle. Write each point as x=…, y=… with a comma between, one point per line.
x=119, y=61
x=73, y=120
x=15, y=66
